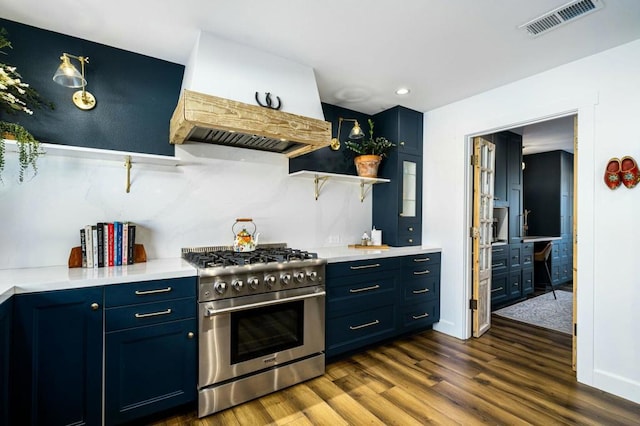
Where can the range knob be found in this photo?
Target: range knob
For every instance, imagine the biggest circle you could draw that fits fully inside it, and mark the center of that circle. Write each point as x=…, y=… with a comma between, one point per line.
x=237, y=285
x=299, y=276
x=285, y=279
x=253, y=282
x=220, y=287
x=312, y=275
x=269, y=281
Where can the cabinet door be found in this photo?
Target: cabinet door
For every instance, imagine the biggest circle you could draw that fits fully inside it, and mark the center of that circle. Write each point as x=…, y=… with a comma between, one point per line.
x=500, y=189
x=409, y=131
x=410, y=202
x=6, y=310
x=58, y=358
x=527, y=281
x=515, y=284
x=149, y=369
x=499, y=284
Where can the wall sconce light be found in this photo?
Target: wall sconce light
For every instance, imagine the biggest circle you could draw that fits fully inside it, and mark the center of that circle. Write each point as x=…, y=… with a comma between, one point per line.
x=67, y=75
x=355, y=133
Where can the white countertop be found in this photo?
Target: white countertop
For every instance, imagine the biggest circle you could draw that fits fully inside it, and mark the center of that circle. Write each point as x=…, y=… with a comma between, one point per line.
x=538, y=238
x=345, y=254
x=31, y=280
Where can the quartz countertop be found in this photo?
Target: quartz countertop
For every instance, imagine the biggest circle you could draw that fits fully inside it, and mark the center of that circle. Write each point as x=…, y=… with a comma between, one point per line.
x=346, y=254
x=30, y=280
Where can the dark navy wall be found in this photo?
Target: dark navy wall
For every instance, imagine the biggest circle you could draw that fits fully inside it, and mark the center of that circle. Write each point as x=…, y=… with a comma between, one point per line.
x=325, y=159
x=136, y=94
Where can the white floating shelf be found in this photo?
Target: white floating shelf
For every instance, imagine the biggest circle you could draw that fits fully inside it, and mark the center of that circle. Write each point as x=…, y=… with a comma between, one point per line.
x=320, y=178
x=100, y=154
x=129, y=158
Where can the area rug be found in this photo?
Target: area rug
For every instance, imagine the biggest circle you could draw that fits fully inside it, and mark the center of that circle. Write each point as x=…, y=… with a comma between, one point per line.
x=543, y=311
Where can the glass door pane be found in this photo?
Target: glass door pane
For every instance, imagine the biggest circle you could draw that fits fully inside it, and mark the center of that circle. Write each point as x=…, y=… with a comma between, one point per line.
x=409, y=176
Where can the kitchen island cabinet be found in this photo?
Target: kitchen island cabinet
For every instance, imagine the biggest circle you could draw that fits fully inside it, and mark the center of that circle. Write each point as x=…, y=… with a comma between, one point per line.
x=57, y=358
x=150, y=348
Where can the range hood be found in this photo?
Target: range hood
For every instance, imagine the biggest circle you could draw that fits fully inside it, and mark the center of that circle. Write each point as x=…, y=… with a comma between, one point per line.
x=223, y=82
x=199, y=117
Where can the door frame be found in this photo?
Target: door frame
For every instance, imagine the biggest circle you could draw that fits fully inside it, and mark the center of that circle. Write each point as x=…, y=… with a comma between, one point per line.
x=468, y=247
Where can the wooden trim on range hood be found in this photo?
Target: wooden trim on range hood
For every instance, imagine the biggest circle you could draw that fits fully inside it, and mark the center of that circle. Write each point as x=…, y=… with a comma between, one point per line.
x=210, y=119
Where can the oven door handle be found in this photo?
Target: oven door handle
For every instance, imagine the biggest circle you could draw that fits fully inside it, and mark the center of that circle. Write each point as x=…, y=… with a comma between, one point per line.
x=210, y=312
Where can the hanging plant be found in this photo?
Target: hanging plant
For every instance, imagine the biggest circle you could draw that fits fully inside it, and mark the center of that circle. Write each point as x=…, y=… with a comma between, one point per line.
x=17, y=96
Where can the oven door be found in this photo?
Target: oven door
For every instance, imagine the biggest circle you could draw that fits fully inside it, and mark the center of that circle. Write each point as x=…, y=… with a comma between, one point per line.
x=262, y=332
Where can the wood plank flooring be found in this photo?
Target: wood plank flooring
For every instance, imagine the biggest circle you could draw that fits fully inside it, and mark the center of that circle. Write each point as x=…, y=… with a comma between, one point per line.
x=515, y=374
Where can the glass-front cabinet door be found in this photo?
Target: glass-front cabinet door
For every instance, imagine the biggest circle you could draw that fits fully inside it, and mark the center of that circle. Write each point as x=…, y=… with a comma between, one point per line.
x=409, y=197
x=410, y=204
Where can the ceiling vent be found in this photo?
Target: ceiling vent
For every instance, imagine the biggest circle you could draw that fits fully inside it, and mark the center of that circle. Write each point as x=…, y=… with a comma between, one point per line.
x=560, y=16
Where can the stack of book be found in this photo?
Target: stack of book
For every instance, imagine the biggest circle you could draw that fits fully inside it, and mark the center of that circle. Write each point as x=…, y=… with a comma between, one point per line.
x=108, y=244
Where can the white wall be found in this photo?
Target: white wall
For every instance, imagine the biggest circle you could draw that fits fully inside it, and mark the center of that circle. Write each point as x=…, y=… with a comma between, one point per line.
x=603, y=89
x=193, y=204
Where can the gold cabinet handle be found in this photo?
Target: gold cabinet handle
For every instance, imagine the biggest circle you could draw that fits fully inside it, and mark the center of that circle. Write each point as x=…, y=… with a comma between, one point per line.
x=422, y=259
x=410, y=240
x=95, y=306
x=426, y=271
x=369, y=324
x=190, y=335
x=359, y=290
x=153, y=314
x=374, y=265
x=496, y=289
x=160, y=290
x=410, y=229
x=424, y=290
x=417, y=317
x=401, y=143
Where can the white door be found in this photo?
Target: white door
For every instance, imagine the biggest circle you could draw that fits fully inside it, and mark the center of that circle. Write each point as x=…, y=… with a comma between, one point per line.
x=483, y=161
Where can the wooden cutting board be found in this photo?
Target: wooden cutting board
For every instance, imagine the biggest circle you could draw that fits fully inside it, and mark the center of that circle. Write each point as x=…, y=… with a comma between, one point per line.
x=360, y=246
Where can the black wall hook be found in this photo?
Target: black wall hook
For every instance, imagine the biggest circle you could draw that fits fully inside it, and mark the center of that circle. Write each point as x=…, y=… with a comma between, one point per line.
x=269, y=102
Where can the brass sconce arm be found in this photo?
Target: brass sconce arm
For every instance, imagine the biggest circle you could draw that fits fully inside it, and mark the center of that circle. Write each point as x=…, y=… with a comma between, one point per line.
x=355, y=133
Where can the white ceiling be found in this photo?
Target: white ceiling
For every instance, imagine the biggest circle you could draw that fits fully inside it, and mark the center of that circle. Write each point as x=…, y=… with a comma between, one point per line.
x=361, y=50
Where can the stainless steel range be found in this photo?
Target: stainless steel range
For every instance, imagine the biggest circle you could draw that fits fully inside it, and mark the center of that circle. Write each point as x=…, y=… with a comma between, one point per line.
x=261, y=322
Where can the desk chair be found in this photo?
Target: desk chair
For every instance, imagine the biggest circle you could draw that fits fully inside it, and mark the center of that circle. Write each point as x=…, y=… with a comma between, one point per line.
x=543, y=256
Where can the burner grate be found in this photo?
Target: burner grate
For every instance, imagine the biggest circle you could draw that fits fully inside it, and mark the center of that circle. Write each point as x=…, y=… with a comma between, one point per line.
x=221, y=256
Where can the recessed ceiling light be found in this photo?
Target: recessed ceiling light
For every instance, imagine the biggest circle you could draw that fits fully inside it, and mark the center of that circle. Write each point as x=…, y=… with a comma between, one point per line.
x=402, y=91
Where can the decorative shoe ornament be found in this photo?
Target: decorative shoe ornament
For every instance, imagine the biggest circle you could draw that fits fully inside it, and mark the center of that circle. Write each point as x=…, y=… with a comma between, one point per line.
x=612, y=173
x=629, y=172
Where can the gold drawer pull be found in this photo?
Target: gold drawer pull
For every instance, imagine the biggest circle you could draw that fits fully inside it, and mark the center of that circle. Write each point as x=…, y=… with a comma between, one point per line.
x=426, y=271
x=358, y=290
x=374, y=265
x=161, y=290
x=496, y=289
x=422, y=259
x=424, y=290
x=369, y=324
x=417, y=317
x=154, y=314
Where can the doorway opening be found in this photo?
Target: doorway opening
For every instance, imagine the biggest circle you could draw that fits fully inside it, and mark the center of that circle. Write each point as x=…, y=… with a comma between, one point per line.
x=534, y=199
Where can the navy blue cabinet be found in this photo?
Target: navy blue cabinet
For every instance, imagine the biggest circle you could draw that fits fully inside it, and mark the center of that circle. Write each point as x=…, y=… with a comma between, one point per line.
x=57, y=358
x=397, y=205
x=150, y=348
x=372, y=300
x=6, y=313
x=548, y=183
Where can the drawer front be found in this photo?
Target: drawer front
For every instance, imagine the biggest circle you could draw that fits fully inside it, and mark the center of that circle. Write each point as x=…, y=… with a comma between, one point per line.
x=420, y=314
x=149, y=313
x=421, y=290
x=499, y=265
x=527, y=281
x=149, y=291
x=418, y=270
x=499, y=288
x=515, y=256
x=358, y=329
x=342, y=269
x=368, y=290
x=499, y=251
x=515, y=284
x=425, y=259
x=409, y=232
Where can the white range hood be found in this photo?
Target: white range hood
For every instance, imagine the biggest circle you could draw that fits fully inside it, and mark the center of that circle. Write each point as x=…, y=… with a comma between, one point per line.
x=222, y=86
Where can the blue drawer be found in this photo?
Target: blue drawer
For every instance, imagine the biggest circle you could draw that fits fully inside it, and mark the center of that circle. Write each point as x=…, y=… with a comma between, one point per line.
x=362, y=292
x=421, y=289
x=355, y=330
x=149, y=291
x=149, y=313
x=342, y=269
x=420, y=314
x=421, y=260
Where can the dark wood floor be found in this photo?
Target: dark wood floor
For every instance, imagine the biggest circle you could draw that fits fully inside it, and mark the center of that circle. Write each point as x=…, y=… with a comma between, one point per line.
x=515, y=374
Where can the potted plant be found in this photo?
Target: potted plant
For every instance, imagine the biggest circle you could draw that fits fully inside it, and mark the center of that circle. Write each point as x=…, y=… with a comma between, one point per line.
x=17, y=96
x=371, y=151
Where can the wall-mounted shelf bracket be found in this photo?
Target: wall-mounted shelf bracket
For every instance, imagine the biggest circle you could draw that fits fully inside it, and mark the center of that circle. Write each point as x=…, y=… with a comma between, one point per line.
x=320, y=178
x=127, y=164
